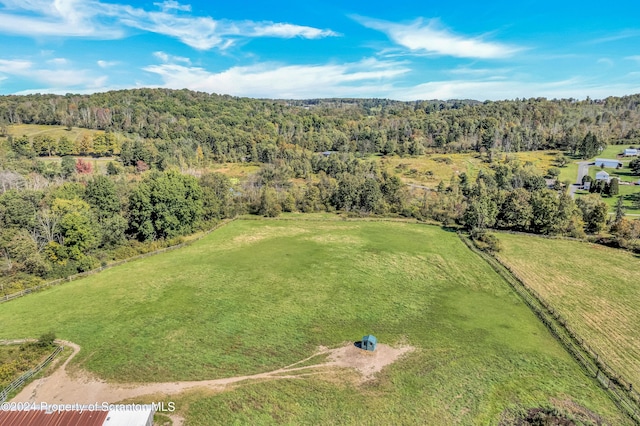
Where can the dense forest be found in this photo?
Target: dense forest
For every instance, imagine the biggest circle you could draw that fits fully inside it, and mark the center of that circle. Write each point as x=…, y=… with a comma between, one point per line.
x=61, y=217
x=177, y=122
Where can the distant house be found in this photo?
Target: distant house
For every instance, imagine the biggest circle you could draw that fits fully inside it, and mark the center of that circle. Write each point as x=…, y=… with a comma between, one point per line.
x=602, y=175
x=611, y=164
x=630, y=152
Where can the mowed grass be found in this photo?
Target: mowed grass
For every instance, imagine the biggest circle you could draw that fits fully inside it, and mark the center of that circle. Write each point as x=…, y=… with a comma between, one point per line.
x=597, y=289
x=75, y=134
x=258, y=295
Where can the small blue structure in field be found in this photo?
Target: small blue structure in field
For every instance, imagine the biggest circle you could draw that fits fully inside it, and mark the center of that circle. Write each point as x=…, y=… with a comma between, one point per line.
x=369, y=342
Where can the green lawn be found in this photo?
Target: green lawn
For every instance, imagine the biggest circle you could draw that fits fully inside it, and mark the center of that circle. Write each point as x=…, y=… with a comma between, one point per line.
x=624, y=174
x=258, y=295
x=629, y=194
x=596, y=288
x=569, y=172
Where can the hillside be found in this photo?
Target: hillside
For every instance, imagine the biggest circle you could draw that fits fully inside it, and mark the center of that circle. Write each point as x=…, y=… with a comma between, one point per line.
x=230, y=129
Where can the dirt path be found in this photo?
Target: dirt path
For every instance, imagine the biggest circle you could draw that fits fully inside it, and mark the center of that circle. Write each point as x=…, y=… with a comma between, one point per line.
x=62, y=388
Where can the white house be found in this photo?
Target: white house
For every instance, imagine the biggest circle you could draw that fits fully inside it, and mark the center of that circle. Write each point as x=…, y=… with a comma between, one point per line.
x=612, y=164
x=602, y=175
x=630, y=152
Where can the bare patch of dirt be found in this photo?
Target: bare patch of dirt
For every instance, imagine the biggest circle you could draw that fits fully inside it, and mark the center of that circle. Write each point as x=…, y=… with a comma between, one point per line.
x=367, y=363
x=61, y=387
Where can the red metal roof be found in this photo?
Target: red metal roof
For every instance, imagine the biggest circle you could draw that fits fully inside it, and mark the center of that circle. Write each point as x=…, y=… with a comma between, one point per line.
x=62, y=418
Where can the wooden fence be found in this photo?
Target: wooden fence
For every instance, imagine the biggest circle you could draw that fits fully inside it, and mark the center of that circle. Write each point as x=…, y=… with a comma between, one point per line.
x=29, y=374
x=619, y=389
x=34, y=289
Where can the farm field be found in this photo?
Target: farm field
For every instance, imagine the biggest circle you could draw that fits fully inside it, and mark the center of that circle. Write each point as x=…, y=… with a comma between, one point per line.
x=258, y=295
x=31, y=130
x=594, y=287
x=430, y=169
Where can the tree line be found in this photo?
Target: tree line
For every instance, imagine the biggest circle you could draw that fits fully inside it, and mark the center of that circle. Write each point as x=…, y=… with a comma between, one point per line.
x=224, y=128
x=75, y=226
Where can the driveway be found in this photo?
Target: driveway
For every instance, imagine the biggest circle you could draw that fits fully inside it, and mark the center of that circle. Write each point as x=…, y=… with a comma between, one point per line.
x=583, y=170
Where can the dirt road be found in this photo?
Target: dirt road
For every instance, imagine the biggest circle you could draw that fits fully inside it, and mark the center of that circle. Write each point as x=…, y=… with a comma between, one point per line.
x=61, y=387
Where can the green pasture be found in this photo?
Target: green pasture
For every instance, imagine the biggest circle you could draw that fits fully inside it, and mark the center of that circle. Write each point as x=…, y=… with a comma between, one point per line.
x=31, y=130
x=258, y=295
x=597, y=289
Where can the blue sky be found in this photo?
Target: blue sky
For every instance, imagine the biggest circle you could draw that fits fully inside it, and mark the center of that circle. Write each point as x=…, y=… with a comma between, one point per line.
x=403, y=50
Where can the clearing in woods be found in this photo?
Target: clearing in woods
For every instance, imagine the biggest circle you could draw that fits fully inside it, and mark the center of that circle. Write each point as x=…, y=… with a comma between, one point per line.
x=596, y=288
x=258, y=295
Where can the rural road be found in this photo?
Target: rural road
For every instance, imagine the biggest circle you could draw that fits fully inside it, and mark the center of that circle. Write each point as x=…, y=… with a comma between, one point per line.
x=81, y=387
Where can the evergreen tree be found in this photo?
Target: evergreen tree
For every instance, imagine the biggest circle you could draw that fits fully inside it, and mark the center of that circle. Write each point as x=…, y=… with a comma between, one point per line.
x=619, y=210
x=613, y=188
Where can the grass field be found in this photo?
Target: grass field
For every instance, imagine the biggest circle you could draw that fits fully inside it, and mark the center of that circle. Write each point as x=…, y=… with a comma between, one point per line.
x=429, y=170
x=569, y=172
x=238, y=171
x=31, y=130
x=257, y=295
x=597, y=289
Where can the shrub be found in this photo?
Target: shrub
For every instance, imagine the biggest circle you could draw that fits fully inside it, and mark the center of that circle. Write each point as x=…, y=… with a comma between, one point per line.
x=83, y=167
x=46, y=340
x=485, y=241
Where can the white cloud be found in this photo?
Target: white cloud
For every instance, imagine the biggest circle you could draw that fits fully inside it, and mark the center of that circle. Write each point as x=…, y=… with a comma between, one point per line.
x=57, y=61
x=633, y=58
x=58, y=77
x=431, y=38
x=621, y=35
x=290, y=31
x=173, y=5
x=165, y=57
x=510, y=89
x=479, y=71
x=605, y=61
x=107, y=64
x=60, y=18
x=286, y=81
x=14, y=66
x=95, y=19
